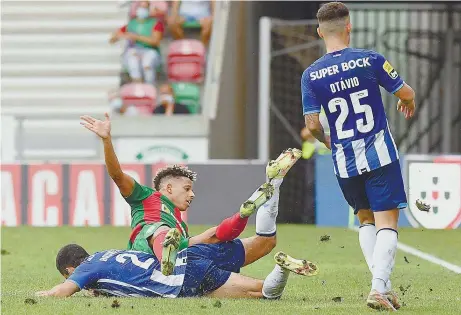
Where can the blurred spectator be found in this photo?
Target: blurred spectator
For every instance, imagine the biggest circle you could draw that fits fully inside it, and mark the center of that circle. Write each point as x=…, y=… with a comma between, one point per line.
x=191, y=11
x=144, y=34
x=117, y=105
x=167, y=104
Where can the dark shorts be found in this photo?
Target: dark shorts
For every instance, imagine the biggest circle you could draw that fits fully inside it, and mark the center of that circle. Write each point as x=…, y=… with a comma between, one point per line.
x=209, y=266
x=379, y=190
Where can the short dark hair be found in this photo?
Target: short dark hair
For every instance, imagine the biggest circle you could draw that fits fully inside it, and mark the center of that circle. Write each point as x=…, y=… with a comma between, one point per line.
x=173, y=171
x=332, y=11
x=71, y=255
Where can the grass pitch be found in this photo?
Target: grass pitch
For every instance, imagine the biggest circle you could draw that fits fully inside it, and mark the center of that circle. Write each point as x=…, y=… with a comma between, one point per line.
x=28, y=265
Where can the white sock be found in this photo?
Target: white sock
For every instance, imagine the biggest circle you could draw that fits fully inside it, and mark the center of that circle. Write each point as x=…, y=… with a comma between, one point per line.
x=367, y=239
x=388, y=283
x=384, y=258
x=266, y=216
x=275, y=282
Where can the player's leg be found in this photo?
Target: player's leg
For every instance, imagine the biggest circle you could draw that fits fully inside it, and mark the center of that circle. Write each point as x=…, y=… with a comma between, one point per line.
x=230, y=228
x=386, y=192
x=265, y=239
x=239, y=286
x=265, y=200
x=233, y=226
x=143, y=241
x=354, y=192
x=161, y=241
x=265, y=195
x=367, y=235
x=272, y=287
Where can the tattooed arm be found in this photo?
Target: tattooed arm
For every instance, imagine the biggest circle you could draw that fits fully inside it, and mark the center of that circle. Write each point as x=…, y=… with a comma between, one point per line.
x=316, y=129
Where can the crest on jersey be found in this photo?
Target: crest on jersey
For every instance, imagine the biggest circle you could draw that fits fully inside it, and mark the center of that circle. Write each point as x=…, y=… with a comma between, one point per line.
x=437, y=184
x=390, y=70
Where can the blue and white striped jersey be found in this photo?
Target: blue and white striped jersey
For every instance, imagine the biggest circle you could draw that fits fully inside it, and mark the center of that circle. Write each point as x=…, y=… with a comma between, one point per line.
x=346, y=84
x=129, y=273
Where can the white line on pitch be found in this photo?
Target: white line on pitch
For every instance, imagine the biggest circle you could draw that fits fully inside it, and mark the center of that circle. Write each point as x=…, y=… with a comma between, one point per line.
x=430, y=258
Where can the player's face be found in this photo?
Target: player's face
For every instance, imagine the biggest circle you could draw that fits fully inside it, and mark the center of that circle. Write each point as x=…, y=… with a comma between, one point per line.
x=181, y=193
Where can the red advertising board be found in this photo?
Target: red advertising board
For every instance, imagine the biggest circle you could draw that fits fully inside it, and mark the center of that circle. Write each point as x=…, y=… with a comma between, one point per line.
x=11, y=194
x=86, y=195
x=48, y=195
x=45, y=195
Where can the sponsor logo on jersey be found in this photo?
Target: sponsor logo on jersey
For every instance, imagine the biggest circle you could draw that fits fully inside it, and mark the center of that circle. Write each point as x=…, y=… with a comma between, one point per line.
x=390, y=70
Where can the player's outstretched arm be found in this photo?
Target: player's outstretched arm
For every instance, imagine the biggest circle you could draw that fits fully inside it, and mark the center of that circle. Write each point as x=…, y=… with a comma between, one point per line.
x=316, y=128
x=124, y=182
x=61, y=290
x=406, y=102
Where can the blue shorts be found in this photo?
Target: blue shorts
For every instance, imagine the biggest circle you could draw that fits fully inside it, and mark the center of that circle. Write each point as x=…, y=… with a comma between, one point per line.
x=210, y=265
x=379, y=190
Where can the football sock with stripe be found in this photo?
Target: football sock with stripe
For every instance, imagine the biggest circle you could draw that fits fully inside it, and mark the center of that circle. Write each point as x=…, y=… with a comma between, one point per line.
x=384, y=258
x=267, y=215
x=275, y=283
x=367, y=240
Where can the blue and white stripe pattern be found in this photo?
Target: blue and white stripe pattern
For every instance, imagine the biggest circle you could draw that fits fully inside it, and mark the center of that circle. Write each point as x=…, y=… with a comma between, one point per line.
x=363, y=155
x=130, y=274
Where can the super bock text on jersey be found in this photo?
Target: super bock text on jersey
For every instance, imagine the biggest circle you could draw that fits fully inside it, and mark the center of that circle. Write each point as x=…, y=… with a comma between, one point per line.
x=129, y=273
x=346, y=84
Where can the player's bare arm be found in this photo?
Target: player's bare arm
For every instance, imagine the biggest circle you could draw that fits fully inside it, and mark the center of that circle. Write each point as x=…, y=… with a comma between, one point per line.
x=406, y=102
x=124, y=182
x=61, y=290
x=316, y=129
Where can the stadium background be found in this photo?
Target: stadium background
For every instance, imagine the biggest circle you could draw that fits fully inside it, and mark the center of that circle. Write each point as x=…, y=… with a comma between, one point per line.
x=57, y=64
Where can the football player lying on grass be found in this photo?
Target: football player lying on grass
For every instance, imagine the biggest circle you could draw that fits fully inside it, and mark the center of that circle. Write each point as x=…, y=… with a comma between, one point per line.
x=199, y=271
x=157, y=227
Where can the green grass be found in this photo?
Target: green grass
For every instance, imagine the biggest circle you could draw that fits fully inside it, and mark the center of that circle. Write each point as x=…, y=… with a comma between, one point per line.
x=29, y=266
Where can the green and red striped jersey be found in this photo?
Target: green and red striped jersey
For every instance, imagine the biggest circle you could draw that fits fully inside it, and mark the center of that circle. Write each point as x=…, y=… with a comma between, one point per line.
x=149, y=206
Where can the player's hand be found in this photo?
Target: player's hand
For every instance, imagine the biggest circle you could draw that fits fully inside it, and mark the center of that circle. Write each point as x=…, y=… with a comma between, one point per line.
x=43, y=293
x=99, y=127
x=407, y=108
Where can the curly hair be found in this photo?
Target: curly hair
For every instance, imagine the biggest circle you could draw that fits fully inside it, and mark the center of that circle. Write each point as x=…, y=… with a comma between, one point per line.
x=173, y=171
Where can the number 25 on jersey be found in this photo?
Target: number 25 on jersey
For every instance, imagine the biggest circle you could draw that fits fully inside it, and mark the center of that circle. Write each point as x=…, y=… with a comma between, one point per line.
x=363, y=125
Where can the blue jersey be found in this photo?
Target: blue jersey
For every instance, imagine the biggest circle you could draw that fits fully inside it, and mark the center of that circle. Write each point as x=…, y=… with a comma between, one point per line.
x=346, y=84
x=129, y=273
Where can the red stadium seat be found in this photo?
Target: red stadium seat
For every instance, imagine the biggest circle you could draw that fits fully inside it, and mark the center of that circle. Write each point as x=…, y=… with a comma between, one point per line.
x=143, y=96
x=186, y=61
x=158, y=9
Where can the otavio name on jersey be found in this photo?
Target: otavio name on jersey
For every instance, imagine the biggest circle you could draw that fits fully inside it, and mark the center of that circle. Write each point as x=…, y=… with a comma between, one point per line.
x=346, y=84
